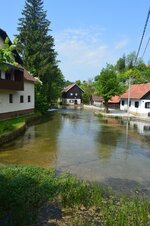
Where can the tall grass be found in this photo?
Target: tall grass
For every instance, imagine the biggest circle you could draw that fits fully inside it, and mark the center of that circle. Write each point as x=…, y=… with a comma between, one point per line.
x=23, y=190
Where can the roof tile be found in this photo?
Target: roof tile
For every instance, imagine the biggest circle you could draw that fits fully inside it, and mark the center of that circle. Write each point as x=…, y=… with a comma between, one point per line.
x=137, y=91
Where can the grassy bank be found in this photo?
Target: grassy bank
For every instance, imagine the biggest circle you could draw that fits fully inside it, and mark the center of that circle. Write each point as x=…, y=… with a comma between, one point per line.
x=64, y=201
x=10, y=129
x=11, y=124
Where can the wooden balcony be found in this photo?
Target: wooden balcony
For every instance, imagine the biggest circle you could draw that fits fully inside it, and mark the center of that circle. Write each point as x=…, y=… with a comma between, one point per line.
x=14, y=80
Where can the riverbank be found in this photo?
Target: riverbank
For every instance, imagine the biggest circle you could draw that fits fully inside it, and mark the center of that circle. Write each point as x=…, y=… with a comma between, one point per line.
x=12, y=128
x=36, y=196
x=116, y=113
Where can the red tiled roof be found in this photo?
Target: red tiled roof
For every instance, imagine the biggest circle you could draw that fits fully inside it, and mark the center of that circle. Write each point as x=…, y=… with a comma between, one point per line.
x=66, y=89
x=28, y=76
x=97, y=98
x=114, y=99
x=137, y=91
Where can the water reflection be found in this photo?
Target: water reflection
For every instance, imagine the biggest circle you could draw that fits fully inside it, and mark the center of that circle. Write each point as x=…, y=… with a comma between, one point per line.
x=142, y=128
x=38, y=146
x=110, y=133
x=92, y=148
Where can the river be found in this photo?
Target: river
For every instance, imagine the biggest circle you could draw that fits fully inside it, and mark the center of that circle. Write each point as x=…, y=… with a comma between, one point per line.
x=111, y=151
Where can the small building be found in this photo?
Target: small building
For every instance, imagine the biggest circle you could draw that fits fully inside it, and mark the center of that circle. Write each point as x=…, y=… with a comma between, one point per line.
x=114, y=102
x=139, y=99
x=72, y=94
x=16, y=87
x=97, y=101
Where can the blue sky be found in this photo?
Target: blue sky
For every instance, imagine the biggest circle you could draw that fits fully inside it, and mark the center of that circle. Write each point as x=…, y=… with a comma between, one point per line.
x=88, y=33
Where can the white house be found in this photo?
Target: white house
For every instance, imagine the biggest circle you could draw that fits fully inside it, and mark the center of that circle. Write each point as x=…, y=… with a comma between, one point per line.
x=97, y=101
x=72, y=94
x=16, y=87
x=139, y=99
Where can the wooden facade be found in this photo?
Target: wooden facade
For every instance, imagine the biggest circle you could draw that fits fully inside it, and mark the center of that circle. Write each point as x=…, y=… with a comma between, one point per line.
x=12, y=79
x=72, y=94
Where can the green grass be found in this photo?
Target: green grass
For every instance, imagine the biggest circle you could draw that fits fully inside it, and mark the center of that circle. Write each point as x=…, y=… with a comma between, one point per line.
x=24, y=189
x=9, y=125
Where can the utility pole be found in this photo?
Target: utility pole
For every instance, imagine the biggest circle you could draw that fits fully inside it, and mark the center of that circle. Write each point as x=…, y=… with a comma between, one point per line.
x=148, y=15
x=129, y=93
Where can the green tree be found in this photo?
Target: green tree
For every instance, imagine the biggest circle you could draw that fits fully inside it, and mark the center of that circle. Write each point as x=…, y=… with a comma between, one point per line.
x=121, y=64
x=36, y=46
x=107, y=84
x=6, y=54
x=89, y=89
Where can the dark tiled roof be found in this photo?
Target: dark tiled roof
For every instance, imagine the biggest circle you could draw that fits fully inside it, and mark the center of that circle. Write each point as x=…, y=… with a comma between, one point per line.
x=97, y=98
x=137, y=91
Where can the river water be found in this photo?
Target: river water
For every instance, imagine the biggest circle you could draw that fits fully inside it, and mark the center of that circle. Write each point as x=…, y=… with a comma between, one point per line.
x=111, y=151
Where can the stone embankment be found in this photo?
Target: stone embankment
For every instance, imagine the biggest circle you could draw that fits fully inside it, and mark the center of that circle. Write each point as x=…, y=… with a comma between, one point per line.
x=10, y=136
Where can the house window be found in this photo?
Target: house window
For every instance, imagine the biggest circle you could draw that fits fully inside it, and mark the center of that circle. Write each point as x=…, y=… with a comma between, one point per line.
x=21, y=99
x=147, y=105
x=10, y=98
x=71, y=101
x=71, y=94
x=76, y=94
x=136, y=104
x=122, y=102
x=29, y=98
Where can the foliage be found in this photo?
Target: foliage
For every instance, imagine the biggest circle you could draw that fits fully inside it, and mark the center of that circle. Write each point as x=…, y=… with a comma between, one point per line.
x=107, y=84
x=121, y=64
x=24, y=189
x=9, y=125
x=89, y=89
x=6, y=54
x=37, y=49
x=41, y=103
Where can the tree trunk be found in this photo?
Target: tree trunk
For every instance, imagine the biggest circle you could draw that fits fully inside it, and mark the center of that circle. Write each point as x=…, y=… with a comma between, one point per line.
x=106, y=106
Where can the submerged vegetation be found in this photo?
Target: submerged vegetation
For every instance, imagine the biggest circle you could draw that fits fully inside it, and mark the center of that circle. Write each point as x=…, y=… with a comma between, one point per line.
x=7, y=126
x=64, y=201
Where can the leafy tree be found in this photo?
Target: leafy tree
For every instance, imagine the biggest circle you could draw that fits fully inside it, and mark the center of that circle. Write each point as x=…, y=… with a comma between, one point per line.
x=89, y=89
x=121, y=64
x=67, y=83
x=37, y=48
x=6, y=54
x=130, y=60
x=107, y=84
x=78, y=82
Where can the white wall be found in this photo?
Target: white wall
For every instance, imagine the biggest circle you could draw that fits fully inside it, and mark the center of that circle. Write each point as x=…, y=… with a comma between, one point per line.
x=141, y=110
x=71, y=101
x=5, y=106
x=98, y=104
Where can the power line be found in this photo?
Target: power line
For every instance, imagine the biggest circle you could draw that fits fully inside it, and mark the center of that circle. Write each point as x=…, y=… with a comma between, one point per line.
x=143, y=35
x=146, y=47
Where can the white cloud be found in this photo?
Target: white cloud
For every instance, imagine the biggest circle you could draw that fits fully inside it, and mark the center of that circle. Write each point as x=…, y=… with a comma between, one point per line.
x=83, y=53
x=122, y=44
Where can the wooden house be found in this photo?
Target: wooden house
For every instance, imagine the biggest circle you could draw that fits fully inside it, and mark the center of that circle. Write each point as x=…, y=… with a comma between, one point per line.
x=139, y=99
x=114, y=102
x=72, y=94
x=16, y=87
x=97, y=101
